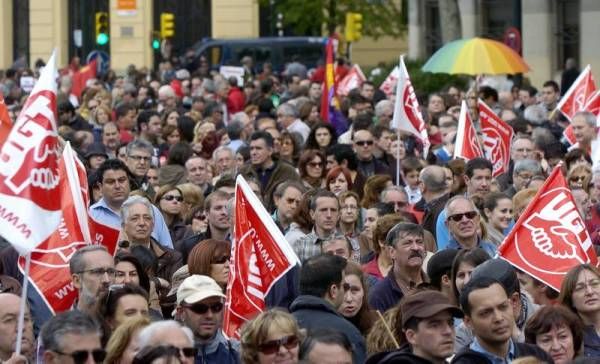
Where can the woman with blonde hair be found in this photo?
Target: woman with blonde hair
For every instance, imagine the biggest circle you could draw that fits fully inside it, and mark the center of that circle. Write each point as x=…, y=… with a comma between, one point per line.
x=373, y=188
x=384, y=334
x=123, y=343
x=192, y=197
x=271, y=337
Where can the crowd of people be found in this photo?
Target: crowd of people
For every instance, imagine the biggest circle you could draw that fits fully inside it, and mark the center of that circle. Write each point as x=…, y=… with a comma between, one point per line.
x=393, y=271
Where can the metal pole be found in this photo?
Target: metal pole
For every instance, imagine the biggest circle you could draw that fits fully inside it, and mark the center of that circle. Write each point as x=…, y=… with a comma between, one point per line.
x=21, y=322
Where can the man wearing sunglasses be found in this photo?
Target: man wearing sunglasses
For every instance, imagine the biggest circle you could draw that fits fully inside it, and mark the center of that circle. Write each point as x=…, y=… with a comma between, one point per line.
x=363, y=143
x=463, y=224
x=71, y=337
x=200, y=303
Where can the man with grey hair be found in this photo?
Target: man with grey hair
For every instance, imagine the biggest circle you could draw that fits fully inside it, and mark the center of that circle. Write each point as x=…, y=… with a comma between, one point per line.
x=384, y=112
x=462, y=221
x=287, y=117
x=92, y=272
x=139, y=157
x=170, y=333
x=523, y=172
x=9, y=311
x=137, y=224
x=224, y=161
x=71, y=337
x=397, y=196
x=406, y=246
x=585, y=130
x=432, y=183
x=247, y=125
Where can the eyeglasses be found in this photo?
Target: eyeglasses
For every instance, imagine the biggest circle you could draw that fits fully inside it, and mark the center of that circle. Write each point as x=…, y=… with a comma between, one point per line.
x=363, y=143
x=150, y=353
x=527, y=177
x=315, y=164
x=577, y=178
x=201, y=308
x=81, y=356
x=458, y=217
x=171, y=198
x=524, y=150
x=271, y=347
x=220, y=260
x=139, y=158
x=98, y=272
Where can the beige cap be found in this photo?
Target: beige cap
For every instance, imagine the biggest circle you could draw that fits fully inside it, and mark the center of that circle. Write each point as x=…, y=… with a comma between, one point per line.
x=195, y=288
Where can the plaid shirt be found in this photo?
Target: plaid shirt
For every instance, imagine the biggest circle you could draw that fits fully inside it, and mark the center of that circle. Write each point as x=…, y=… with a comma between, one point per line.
x=310, y=245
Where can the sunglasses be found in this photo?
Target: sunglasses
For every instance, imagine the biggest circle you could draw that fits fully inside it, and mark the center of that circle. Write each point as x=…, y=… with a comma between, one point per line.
x=577, y=178
x=171, y=198
x=363, y=143
x=81, y=356
x=220, y=260
x=458, y=217
x=271, y=347
x=201, y=308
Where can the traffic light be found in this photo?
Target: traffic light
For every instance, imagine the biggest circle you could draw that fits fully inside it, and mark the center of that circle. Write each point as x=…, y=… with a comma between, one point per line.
x=353, y=26
x=101, y=28
x=167, y=25
x=155, y=40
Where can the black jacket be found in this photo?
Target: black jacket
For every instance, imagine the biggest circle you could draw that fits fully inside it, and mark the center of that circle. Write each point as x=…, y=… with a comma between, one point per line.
x=403, y=355
x=315, y=313
x=468, y=356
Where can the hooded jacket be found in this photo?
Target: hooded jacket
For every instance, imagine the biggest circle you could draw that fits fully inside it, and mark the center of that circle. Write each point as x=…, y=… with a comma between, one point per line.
x=313, y=312
x=218, y=350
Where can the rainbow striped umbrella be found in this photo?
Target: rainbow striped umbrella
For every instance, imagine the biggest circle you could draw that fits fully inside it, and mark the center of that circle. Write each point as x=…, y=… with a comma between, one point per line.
x=476, y=56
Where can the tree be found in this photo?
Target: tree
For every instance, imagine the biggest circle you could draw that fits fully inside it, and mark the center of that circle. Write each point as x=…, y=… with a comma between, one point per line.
x=307, y=17
x=450, y=20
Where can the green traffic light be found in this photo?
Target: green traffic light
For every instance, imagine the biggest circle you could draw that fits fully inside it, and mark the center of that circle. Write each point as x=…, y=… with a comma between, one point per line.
x=102, y=39
x=155, y=44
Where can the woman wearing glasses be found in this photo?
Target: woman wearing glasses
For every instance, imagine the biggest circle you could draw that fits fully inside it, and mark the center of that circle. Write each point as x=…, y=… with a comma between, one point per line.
x=580, y=292
x=211, y=258
x=272, y=337
x=311, y=167
x=169, y=200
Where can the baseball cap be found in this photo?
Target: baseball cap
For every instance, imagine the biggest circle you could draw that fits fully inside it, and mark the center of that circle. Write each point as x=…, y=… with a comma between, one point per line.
x=195, y=288
x=426, y=303
x=499, y=270
x=178, y=277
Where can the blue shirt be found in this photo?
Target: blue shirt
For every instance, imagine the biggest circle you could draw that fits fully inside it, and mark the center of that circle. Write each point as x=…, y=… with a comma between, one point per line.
x=475, y=346
x=485, y=245
x=104, y=214
x=442, y=235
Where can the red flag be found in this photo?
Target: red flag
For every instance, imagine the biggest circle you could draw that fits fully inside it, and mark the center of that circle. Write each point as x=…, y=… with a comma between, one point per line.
x=81, y=76
x=260, y=256
x=329, y=83
x=49, y=272
x=569, y=135
x=387, y=86
x=5, y=121
x=407, y=115
x=497, y=138
x=354, y=79
x=578, y=94
x=593, y=104
x=29, y=178
x=550, y=237
x=467, y=144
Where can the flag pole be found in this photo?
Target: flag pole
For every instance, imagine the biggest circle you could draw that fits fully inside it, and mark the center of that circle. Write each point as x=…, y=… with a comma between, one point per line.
x=398, y=159
x=21, y=322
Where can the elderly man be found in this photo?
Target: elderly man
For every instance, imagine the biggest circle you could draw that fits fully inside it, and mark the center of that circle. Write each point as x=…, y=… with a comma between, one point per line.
x=168, y=333
x=397, y=196
x=92, y=272
x=9, y=312
x=200, y=303
x=288, y=197
x=287, y=117
x=115, y=185
x=71, y=337
x=523, y=173
x=198, y=173
x=585, y=130
x=139, y=159
x=224, y=160
x=462, y=221
x=406, y=245
x=521, y=148
x=384, y=112
x=138, y=222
